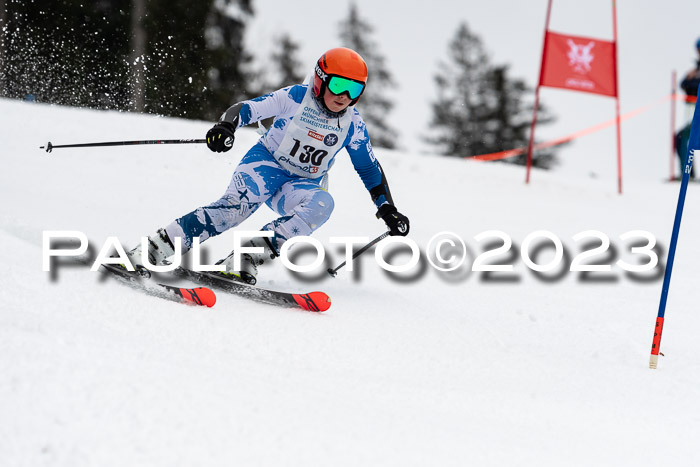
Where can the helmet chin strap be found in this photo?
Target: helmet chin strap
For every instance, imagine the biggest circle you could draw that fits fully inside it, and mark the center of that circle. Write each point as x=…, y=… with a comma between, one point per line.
x=326, y=110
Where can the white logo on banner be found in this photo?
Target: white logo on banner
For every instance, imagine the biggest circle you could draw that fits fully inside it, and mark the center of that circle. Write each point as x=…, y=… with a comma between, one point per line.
x=580, y=56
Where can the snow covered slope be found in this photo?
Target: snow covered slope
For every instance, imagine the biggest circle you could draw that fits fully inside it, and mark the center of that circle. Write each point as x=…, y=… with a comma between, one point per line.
x=424, y=369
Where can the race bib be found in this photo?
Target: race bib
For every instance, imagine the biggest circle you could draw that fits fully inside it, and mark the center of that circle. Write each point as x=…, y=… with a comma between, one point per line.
x=312, y=140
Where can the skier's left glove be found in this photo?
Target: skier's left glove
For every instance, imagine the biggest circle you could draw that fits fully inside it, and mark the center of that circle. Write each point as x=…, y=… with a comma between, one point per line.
x=398, y=223
x=220, y=137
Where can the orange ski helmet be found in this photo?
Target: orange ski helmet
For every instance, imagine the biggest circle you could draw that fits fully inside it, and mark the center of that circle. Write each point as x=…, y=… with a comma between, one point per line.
x=342, y=71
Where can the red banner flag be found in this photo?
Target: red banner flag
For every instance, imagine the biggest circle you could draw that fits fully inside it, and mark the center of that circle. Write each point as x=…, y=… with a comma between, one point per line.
x=579, y=64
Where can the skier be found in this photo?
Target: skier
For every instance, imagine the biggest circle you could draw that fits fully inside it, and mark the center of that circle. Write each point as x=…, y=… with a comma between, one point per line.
x=287, y=168
x=692, y=78
x=690, y=84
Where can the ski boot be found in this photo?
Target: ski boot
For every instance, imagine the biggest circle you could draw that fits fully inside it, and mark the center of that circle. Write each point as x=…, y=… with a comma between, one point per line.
x=160, y=247
x=249, y=262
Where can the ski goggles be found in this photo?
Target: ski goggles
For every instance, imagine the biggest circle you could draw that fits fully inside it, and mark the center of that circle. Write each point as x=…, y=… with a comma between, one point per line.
x=339, y=85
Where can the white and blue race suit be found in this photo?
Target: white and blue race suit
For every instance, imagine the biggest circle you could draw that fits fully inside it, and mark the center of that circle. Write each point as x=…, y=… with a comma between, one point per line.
x=285, y=168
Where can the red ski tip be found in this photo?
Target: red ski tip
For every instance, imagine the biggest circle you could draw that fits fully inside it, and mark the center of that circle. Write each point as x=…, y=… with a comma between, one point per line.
x=313, y=301
x=199, y=296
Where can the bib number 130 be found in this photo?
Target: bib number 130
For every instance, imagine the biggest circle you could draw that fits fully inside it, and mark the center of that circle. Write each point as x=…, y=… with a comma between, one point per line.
x=309, y=154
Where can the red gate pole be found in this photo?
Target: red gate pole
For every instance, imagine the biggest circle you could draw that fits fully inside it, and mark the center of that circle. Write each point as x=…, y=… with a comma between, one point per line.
x=537, y=95
x=617, y=102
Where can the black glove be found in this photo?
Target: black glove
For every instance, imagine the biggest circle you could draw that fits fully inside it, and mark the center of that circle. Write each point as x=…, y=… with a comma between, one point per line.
x=220, y=137
x=398, y=223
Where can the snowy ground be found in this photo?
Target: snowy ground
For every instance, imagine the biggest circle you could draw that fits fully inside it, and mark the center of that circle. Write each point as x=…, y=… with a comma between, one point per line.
x=454, y=369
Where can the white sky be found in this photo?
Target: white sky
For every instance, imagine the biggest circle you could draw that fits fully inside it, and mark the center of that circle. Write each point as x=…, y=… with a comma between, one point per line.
x=654, y=38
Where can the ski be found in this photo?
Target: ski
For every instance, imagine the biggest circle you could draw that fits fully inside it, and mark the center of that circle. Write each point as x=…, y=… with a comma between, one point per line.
x=202, y=296
x=312, y=301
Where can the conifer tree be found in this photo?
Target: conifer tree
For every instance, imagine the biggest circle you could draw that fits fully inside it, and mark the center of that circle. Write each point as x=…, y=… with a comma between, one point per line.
x=138, y=52
x=287, y=63
x=184, y=58
x=3, y=40
x=229, y=73
x=66, y=52
x=479, y=108
x=375, y=105
x=196, y=62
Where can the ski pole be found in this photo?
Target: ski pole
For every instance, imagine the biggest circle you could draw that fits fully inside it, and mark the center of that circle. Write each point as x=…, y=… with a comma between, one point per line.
x=693, y=150
x=49, y=147
x=334, y=272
